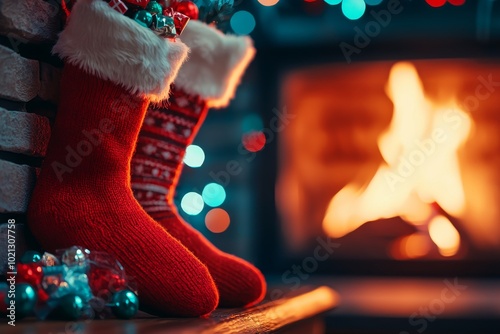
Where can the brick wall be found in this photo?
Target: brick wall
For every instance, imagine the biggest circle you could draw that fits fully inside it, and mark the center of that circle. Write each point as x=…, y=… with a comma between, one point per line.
x=29, y=91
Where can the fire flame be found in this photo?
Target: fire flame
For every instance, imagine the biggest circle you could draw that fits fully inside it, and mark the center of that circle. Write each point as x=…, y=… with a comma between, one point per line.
x=420, y=167
x=444, y=235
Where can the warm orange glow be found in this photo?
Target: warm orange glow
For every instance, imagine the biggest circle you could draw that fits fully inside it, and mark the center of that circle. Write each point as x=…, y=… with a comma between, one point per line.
x=275, y=314
x=421, y=166
x=444, y=235
x=411, y=247
x=217, y=220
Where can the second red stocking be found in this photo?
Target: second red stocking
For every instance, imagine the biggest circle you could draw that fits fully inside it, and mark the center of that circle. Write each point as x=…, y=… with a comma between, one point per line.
x=208, y=79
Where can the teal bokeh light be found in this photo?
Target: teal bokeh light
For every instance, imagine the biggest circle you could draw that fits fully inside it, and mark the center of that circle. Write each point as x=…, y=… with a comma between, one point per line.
x=333, y=2
x=213, y=194
x=192, y=203
x=353, y=9
x=194, y=156
x=242, y=22
x=252, y=122
x=373, y=2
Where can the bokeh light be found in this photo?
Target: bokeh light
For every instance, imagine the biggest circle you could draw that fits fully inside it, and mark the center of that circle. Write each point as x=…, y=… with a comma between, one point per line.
x=217, y=220
x=436, y=3
x=373, y=2
x=333, y=2
x=254, y=141
x=213, y=194
x=252, y=122
x=268, y=2
x=456, y=2
x=194, y=156
x=242, y=22
x=353, y=9
x=192, y=203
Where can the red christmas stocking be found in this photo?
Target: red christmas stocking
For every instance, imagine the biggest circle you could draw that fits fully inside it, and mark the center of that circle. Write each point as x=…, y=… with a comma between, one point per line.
x=209, y=78
x=83, y=196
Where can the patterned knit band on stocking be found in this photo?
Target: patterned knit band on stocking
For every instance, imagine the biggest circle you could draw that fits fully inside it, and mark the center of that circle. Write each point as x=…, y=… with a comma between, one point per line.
x=157, y=164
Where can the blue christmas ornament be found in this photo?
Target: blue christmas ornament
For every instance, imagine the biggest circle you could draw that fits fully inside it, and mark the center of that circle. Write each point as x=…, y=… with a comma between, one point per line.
x=25, y=300
x=125, y=304
x=71, y=306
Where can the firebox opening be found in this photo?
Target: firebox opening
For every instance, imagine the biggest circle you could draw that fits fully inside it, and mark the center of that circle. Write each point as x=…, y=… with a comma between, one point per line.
x=394, y=160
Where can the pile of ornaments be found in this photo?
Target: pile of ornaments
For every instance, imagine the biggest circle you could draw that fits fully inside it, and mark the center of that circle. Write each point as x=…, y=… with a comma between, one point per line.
x=167, y=18
x=75, y=284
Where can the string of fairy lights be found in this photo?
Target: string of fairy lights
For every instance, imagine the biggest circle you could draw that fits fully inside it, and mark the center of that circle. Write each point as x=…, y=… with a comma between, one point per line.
x=354, y=9
x=243, y=22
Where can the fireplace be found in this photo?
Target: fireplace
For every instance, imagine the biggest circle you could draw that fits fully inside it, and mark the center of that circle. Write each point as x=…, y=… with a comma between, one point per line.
x=394, y=160
x=391, y=152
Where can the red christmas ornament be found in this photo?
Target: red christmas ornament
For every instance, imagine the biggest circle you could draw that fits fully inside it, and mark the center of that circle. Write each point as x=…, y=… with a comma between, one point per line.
x=30, y=273
x=187, y=8
x=180, y=20
x=119, y=6
x=103, y=281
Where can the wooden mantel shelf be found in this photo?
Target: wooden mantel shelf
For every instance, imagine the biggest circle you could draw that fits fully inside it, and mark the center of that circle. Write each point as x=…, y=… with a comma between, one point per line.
x=264, y=318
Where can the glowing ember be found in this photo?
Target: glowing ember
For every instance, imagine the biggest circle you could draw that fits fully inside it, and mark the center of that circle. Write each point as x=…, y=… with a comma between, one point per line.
x=411, y=246
x=421, y=167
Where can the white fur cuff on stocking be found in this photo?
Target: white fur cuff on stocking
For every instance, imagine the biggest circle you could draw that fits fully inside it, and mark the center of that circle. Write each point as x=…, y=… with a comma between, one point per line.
x=112, y=46
x=215, y=65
